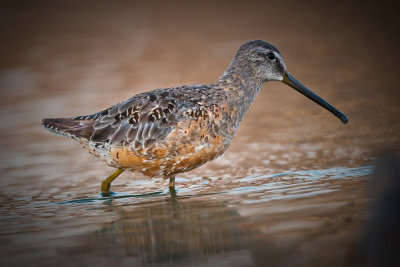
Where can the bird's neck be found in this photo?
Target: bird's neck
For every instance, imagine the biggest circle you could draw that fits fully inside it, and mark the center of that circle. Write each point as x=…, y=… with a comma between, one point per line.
x=243, y=86
x=242, y=77
x=240, y=93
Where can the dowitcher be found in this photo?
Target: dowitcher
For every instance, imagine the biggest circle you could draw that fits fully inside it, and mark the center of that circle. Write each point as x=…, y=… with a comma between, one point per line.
x=168, y=131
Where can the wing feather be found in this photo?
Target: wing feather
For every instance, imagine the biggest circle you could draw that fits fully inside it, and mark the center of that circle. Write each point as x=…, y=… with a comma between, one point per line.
x=101, y=135
x=120, y=134
x=140, y=121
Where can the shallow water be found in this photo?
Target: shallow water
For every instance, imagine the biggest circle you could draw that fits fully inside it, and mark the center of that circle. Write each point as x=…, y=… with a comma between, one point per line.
x=291, y=190
x=206, y=221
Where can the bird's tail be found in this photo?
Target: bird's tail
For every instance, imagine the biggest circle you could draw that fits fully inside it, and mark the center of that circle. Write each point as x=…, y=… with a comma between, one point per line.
x=70, y=127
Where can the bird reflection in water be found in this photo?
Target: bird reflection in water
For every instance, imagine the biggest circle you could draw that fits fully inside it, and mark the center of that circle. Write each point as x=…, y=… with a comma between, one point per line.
x=175, y=229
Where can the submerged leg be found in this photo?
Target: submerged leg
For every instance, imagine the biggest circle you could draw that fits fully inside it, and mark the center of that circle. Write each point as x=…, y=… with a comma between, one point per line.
x=105, y=185
x=172, y=182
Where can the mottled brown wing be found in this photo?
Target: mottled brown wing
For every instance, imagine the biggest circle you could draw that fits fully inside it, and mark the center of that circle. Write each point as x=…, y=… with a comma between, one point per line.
x=140, y=121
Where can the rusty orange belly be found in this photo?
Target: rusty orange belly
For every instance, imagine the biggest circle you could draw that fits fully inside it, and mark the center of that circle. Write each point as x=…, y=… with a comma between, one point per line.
x=165, y=162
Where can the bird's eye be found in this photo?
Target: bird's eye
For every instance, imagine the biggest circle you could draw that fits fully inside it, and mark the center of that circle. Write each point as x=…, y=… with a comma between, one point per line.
x=271, y=56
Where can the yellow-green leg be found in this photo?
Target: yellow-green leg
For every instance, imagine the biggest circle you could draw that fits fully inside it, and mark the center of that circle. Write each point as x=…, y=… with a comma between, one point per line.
x=105, y=185
x=172, y=182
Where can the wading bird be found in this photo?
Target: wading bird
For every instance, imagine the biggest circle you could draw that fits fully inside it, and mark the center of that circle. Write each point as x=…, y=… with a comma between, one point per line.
x=168, y=131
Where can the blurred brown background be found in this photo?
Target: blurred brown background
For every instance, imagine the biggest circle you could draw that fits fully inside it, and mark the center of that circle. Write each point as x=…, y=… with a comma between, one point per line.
x=97, y=53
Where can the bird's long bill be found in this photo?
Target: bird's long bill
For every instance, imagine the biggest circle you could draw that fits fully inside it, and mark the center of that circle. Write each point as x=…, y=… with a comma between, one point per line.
x=292, y=82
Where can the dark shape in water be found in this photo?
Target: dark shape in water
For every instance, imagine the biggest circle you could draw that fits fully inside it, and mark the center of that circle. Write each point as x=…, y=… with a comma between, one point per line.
x=381, y=243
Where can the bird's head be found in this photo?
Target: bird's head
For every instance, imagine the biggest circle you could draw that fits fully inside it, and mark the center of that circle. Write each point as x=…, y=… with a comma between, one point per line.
x=258, y=61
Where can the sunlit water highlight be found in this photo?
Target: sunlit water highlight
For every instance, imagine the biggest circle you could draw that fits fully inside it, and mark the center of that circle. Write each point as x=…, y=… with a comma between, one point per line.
x=268, y=187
